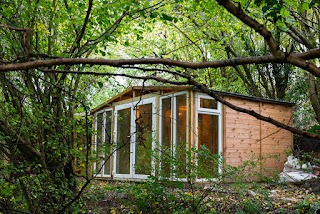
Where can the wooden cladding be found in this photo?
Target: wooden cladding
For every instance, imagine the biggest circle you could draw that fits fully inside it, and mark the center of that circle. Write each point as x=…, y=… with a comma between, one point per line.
x=249, y=138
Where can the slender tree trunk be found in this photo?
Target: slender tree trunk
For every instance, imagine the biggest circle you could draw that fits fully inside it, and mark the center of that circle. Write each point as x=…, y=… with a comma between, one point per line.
x=313, y=95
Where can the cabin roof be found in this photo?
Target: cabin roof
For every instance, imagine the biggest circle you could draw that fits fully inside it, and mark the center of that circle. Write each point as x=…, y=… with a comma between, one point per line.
x=136, y=91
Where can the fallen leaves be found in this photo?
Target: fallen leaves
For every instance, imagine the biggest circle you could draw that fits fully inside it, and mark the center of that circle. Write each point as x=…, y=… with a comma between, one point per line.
x=220, y=198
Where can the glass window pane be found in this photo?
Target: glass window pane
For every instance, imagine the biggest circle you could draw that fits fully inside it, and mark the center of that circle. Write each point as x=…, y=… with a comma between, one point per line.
x=99, y=151
x=208, y=103
x=181, y=135
x=108, y=142
x=166, y=153
x=208, y=131
x=143, y=139
x=123, y=141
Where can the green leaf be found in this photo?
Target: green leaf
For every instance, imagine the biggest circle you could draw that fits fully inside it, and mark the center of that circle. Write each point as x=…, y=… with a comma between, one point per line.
x=153, y=15
x=284, y=12
x=247, y=4
x=313, y=3
x=282, y=26
x=100, y=84
x=315, y=129
x=167, y=17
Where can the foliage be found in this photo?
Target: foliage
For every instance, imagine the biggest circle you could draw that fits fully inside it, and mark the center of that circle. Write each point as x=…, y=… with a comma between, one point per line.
x=155, y=194
x=201, y=164
x=172, y=197
x=45, y=146
x=314, y=129
x=187, y=165
x=42, y=160
x=309, y=204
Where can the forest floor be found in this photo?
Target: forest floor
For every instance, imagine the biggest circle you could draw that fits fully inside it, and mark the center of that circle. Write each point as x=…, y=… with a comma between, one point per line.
x=152, y=197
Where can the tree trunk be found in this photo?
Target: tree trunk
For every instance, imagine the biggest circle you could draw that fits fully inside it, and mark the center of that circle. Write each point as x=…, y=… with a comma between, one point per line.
x=313, y=94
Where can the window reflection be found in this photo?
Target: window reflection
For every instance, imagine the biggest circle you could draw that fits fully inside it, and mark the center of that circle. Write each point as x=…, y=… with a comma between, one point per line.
x=123, y=141
x=107, y=142
x=174, y=165
x=208, y=138
x=99, y=149
x=181, y=135
x=208, y=103
x=143, y=139
x=166, y=152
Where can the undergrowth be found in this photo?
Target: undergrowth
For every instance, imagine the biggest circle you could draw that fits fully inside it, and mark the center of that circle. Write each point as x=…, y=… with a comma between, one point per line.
x=236, y=191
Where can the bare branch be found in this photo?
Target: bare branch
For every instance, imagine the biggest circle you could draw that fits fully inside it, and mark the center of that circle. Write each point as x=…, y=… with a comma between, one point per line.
x=215, y=95
x=110, y=30
x=267, y=35
x=303, y=40
x=148, y=77
x=188, y=38
x=81, y=33
x=14, y=28
x=259, y=28
x=297, y=59
x=203, y=88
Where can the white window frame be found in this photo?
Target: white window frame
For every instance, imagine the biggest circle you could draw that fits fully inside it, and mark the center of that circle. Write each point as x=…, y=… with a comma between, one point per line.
x=217, y=112
x=206, y=110
x=151, y=101
x=160, y=130
x=115, y=152
x=103, y=112
x=132, y=107
x=104, y=140
x=96, y=143
x=174, y=128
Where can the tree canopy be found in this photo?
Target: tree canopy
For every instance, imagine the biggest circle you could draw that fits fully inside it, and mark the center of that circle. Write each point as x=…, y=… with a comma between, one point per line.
x=55, y=54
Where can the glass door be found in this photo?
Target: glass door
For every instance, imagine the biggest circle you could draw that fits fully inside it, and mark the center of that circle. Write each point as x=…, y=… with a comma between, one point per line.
x=144, y=138
x=134, y=139
x=173, y=135
x=123, y=140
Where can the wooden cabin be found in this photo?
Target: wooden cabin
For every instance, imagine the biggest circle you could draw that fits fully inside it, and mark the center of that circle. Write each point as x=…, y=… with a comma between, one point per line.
x=150, y=130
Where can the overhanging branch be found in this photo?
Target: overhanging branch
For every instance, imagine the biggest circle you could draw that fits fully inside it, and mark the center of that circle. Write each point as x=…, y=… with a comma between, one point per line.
x=203, y=88
x=315, y=53
x=252, y=23
x=146, y=77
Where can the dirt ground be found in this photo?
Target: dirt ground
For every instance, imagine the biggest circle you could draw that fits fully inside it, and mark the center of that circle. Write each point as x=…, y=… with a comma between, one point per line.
x=303, y=197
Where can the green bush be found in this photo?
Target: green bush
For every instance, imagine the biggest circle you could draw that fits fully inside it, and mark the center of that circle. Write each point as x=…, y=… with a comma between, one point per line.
x=309, y=204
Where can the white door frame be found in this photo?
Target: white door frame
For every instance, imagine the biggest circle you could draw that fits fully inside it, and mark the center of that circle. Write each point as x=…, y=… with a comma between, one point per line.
x=132, y=107
x=104, y=140
x=117, y=108
x=151, y=101
x=96, y=141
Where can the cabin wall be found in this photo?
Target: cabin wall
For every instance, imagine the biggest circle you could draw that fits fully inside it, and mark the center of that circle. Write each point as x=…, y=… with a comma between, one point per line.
x=275, y=141
x=247, y=138
x=242, y=133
